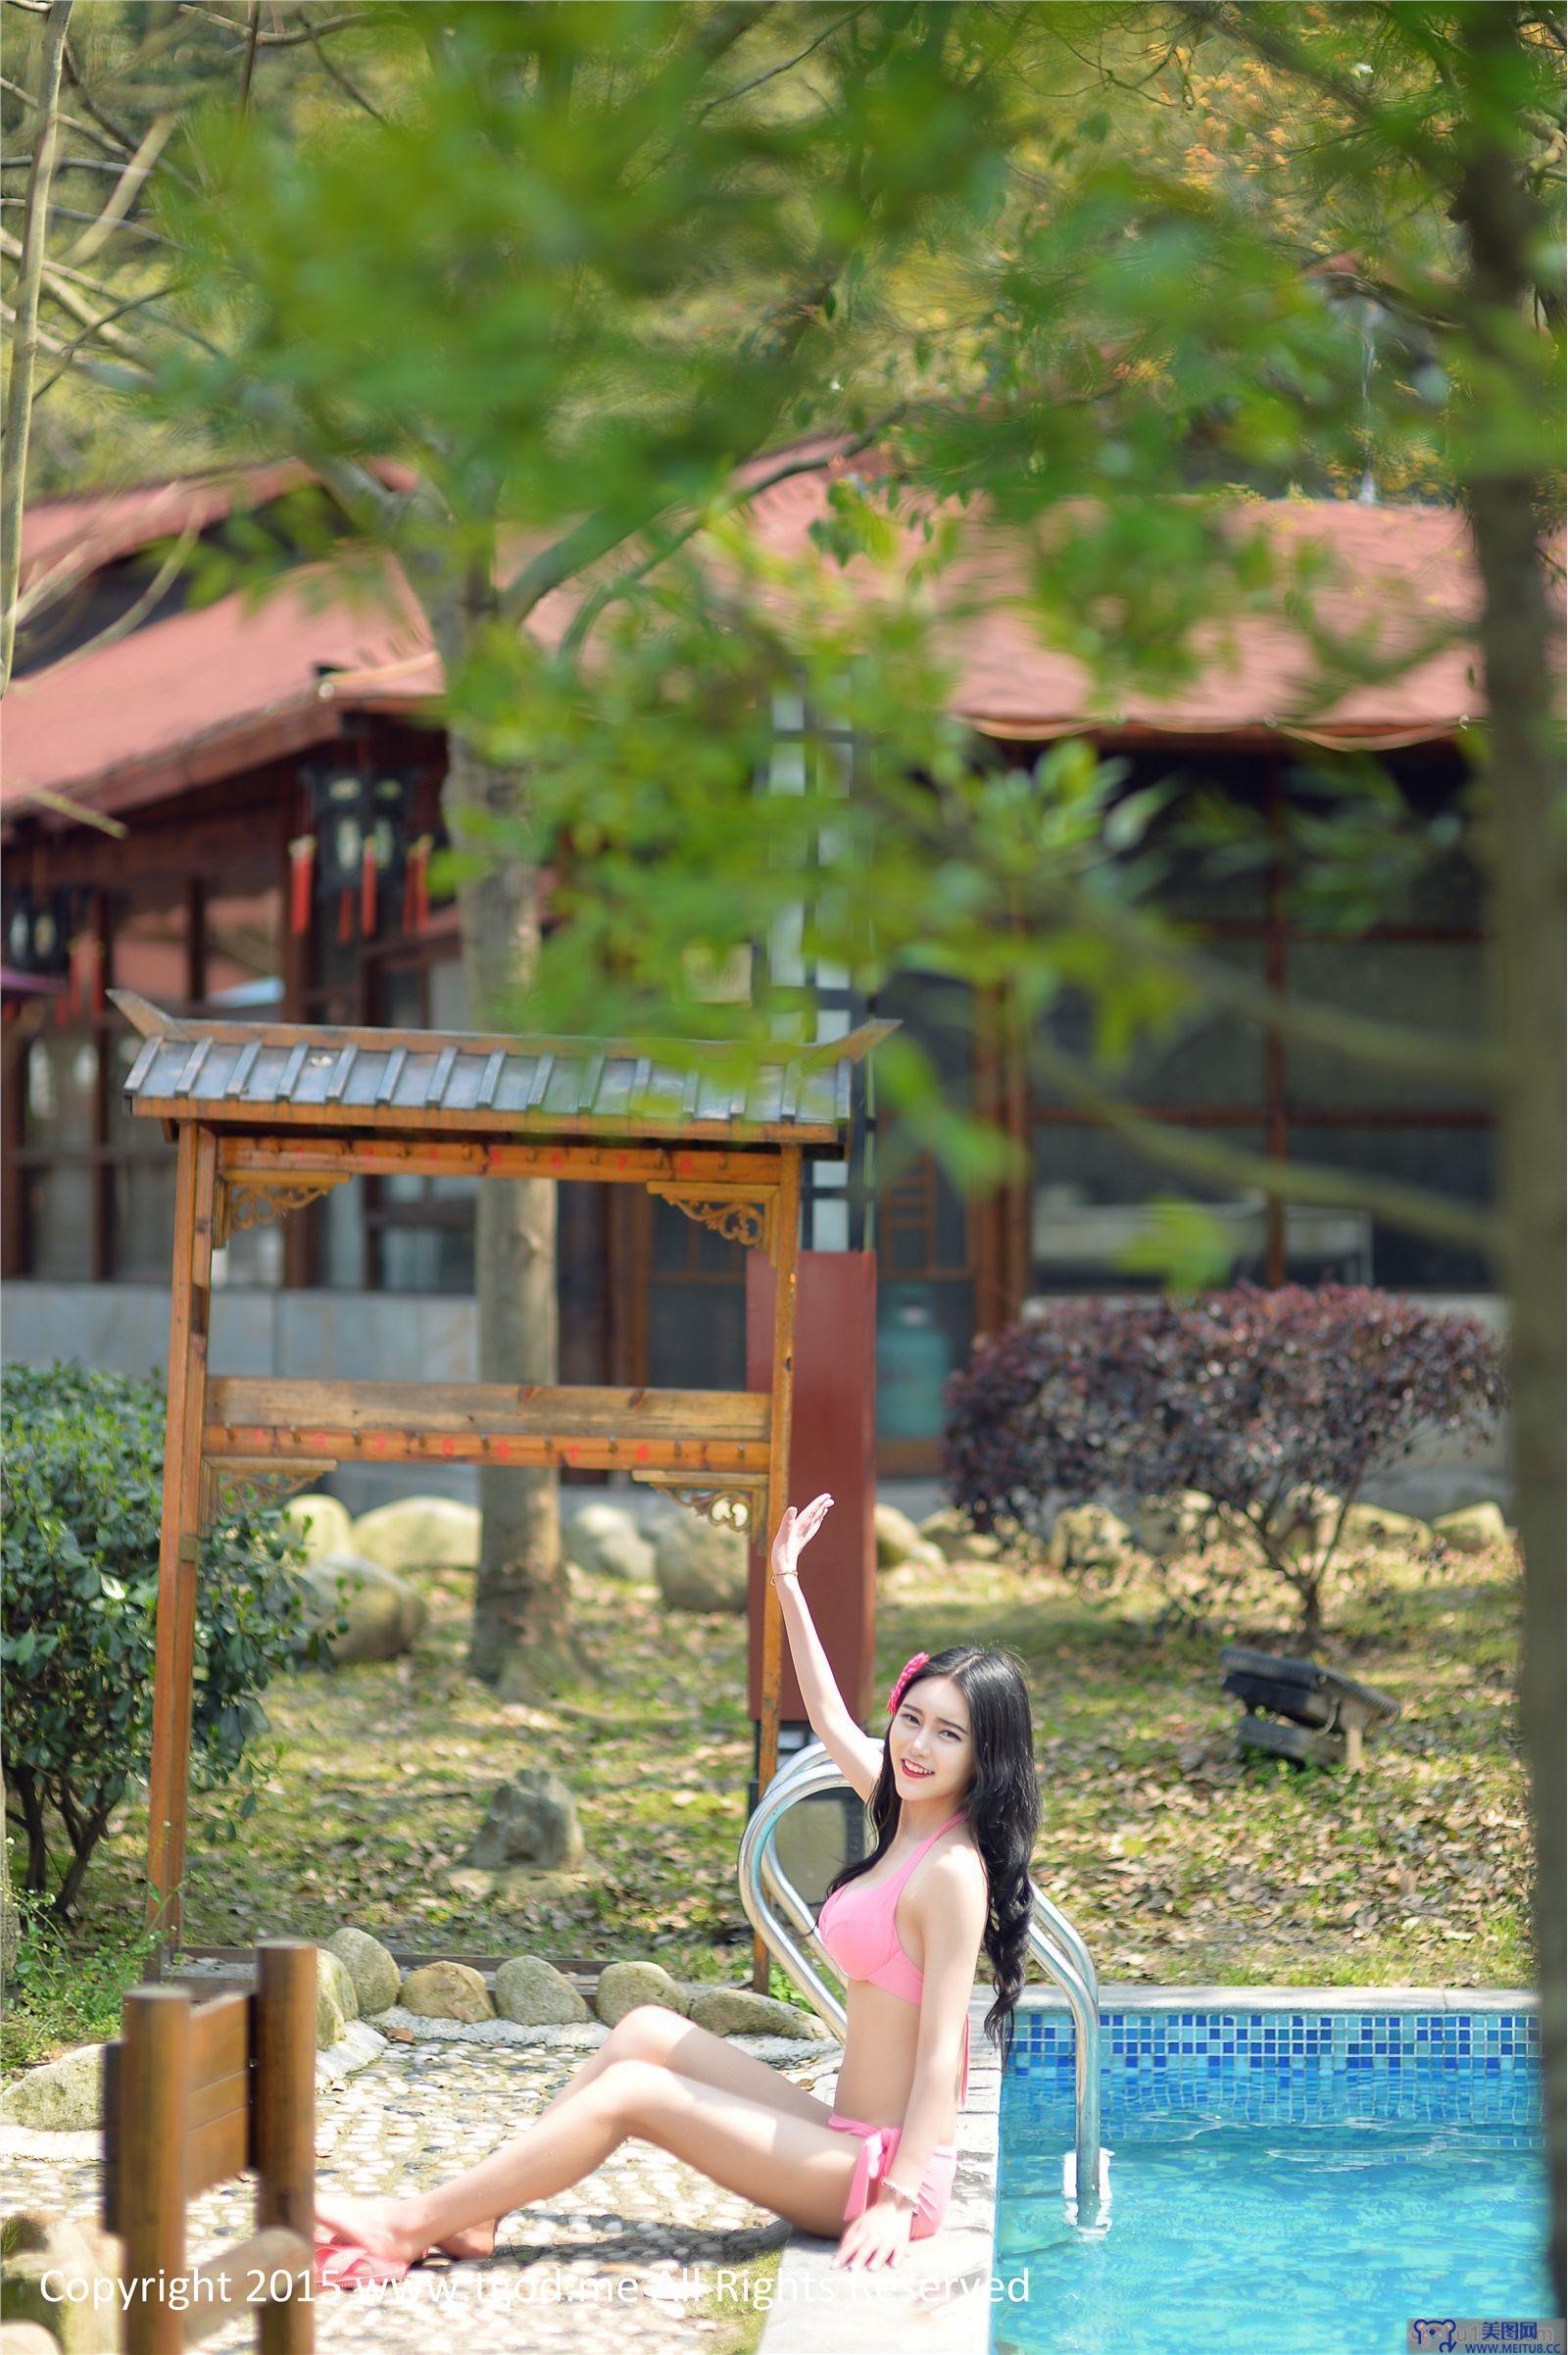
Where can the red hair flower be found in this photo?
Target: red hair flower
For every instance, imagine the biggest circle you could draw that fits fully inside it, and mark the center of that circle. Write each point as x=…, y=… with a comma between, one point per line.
x=916, y=1662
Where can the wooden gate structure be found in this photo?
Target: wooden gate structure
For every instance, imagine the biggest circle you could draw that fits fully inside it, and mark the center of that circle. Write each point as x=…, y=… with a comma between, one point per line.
x=267, y=1116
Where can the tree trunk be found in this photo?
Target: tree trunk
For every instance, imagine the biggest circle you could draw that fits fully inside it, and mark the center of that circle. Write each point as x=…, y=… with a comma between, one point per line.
x=1525, y=928
x=25, y=337
x=522, y=1641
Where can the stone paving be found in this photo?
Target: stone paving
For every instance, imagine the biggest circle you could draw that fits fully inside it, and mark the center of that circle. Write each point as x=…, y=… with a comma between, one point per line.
x=614, y=2263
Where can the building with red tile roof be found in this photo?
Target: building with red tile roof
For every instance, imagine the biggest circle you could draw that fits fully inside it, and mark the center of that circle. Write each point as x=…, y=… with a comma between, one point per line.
x=193, y=733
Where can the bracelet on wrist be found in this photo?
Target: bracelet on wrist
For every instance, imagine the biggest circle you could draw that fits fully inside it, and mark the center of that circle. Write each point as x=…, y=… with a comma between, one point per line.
x=910, y=2200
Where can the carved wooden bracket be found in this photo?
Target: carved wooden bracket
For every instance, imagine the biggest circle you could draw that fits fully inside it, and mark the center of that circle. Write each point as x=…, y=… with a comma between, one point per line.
x=735, y=1503
x=740, y=1213
x=240, y=1482
x=249, y=1201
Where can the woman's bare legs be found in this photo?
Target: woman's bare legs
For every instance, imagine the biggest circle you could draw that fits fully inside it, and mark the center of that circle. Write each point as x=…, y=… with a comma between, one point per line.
x=799, y=2169
x=648, y=2033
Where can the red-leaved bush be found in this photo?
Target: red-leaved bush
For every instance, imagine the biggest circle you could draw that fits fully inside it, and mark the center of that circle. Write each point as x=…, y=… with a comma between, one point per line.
x=1256, y=1398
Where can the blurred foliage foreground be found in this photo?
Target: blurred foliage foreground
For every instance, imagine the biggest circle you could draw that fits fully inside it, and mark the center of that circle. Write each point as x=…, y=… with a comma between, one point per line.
x=1180, y=1862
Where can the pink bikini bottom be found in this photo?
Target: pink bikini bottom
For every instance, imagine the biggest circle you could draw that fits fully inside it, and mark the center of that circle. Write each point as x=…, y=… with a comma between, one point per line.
x=879, y=2149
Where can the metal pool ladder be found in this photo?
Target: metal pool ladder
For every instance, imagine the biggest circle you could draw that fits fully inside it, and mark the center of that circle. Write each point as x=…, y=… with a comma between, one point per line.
x=1053, y=1940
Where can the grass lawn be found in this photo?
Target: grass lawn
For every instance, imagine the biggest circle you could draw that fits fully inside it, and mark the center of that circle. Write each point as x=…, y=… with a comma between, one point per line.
x=1178, y=1861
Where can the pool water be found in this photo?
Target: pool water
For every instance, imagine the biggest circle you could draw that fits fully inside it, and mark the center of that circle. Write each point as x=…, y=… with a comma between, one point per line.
x=1282, y=2183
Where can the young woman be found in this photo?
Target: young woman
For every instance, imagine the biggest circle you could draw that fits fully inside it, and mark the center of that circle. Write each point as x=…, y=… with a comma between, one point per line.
x=955, y=1804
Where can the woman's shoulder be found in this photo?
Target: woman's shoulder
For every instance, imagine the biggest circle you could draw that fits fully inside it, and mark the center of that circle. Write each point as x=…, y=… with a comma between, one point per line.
x=957, y=1868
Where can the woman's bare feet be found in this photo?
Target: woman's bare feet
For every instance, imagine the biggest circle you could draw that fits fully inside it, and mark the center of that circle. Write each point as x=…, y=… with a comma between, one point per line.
x=390, y=2228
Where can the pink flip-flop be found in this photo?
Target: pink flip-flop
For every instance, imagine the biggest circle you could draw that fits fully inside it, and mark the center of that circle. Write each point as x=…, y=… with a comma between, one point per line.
x=342, y=2264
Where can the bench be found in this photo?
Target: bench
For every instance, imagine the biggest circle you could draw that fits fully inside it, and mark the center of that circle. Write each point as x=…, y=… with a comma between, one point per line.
x=194, y=2094
x=1328, y=1715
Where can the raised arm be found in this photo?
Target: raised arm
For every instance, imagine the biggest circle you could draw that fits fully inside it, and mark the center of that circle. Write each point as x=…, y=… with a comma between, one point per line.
x=857, y=1756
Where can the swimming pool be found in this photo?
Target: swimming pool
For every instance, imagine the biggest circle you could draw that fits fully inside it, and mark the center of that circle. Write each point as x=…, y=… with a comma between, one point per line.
x=1283, y=2181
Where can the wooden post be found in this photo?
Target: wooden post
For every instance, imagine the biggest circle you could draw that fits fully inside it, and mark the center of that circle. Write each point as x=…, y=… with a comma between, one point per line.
x=284, y=2093
x=786, y=1249
x=180, y=1538
x=153, y=2082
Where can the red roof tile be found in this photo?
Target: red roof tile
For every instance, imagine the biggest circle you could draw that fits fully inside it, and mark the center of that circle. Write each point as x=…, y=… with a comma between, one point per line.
x=1404, y=570
x=193, y=697
x=202, y=693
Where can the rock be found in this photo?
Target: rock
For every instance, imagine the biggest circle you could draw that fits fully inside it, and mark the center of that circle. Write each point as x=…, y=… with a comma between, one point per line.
x=372, y=1967
x=321, y=1524
x=742, y=2012
x=953, y=1537
x=1088, y=1536
x=27, y=2338
x=532, y=1819
x=1378, y=1525
x=383, y=1611
x=700, y=1566
x=1473, y=1530
x=533, y=1992
x=622, y=1986
x=1170, y=1526
x=63, y=2096
x=331, y=2019
x=897, y=1537
x=605, y=1540
x=446, y=1990
x=420, y=1533
x=40, y=2245
x=340, y=1979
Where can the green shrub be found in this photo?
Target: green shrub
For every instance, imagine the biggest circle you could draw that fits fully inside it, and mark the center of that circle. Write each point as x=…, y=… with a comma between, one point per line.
x=83, y=1496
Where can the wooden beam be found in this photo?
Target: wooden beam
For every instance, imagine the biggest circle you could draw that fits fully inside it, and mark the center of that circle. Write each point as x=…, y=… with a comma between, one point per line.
x=180, y=1541
x=255, y=1157
x=780, y=1403
x=150, y=2198
x=258, y=1416
x=284, y=2121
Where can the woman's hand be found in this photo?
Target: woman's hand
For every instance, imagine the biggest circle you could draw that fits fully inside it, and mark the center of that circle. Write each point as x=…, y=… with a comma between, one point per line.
x=794, y=1533
x=876, y=2238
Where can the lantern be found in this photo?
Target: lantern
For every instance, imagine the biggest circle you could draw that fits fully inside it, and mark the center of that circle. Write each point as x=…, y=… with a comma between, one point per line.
x=357, y=849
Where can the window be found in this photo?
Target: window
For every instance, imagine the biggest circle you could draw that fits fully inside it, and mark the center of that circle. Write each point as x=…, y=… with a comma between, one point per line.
x=925, y=1311
x=96, y=1182
x=1422, y=965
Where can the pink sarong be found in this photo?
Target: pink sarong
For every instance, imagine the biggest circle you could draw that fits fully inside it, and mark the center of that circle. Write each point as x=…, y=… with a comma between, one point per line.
x=879, y=2146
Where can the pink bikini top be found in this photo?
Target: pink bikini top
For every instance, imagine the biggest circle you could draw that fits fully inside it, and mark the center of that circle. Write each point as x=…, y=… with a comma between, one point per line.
x=859, y=1934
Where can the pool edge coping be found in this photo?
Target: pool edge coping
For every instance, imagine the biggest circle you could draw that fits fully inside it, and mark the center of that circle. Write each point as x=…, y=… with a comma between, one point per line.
x=1132, y=1995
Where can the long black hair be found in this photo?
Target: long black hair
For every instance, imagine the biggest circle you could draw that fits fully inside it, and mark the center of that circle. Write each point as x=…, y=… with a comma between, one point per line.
x=1001, y=1806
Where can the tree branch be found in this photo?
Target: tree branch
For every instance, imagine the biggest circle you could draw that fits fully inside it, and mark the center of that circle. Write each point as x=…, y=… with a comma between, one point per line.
x=594, y=604
x=135, y=614
x=126, y=191
x=25, y=349
x=248, y=69
x=744, y=88
x=1359, y=1038
x=1410, y=1207
x=95, y=327
x=1245, y=27
x=291, y=40
x=335, y=73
